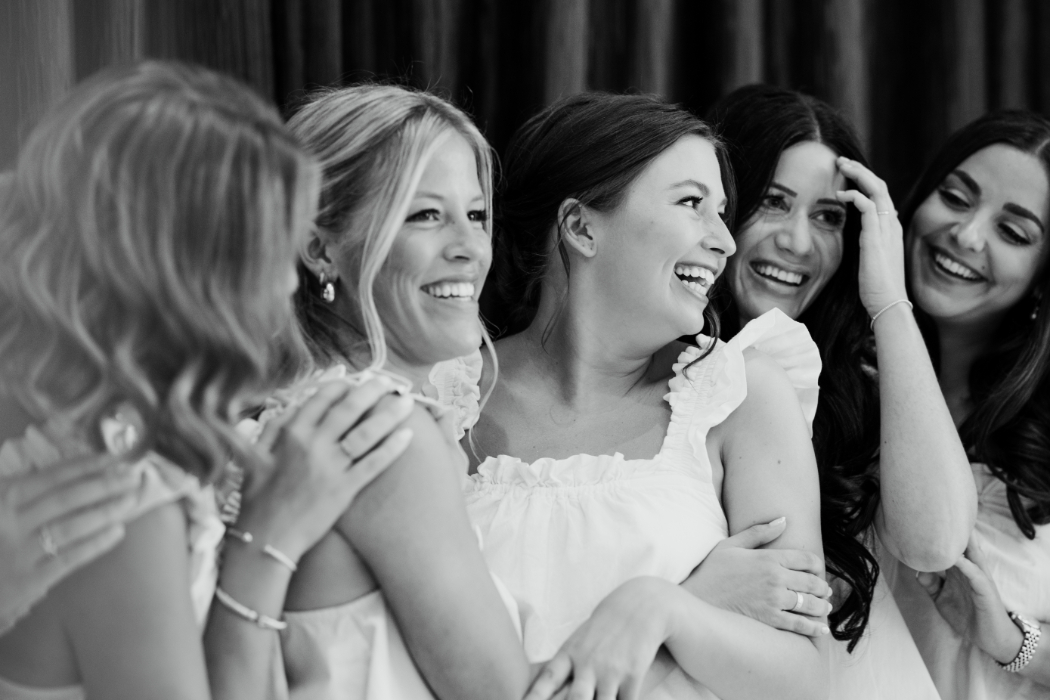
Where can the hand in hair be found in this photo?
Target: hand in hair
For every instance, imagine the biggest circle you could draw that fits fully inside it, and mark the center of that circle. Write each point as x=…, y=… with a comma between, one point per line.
x=761, y=583
x=881, y=276
x=56, y=520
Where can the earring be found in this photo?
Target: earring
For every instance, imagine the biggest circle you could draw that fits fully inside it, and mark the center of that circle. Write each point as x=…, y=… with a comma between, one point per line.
x=327, y=288
x=1035, y=309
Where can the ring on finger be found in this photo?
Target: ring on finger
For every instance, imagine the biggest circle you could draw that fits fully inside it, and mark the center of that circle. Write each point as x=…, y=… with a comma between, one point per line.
x=885, y=213
x=799, y=602
x=47, y=542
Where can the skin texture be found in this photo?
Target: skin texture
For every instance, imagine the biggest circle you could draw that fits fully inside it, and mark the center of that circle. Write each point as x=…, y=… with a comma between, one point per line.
x=403, y=530
x=798, y=229
x=595, y=386
x=990, y=215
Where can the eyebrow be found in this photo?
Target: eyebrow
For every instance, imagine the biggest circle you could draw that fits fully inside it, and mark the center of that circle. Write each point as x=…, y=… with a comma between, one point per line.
x=698, y=185
x=1024, y=213
x=786, y=190
x=435, y=195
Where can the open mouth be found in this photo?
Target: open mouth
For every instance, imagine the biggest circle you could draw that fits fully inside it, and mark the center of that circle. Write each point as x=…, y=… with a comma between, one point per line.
x=954, y=268
x=457, y=291
x=779, y=274
x=696, y=279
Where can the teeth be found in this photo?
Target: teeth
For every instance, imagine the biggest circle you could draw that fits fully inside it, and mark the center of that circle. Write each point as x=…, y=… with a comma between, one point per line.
x=695, y=288
x=450, y=290
x=949, y=265
x=776, y=273
x=704, y=275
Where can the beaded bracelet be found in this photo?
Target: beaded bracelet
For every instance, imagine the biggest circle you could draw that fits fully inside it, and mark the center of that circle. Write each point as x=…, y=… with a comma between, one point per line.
x=886, y=308
x=269, y=550
x=1032, y=633
x=243, y=611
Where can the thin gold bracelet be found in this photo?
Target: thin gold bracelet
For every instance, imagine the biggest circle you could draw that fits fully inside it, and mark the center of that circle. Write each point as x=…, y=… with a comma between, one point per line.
x=886, y=308
x=267, y=549
x=243, y=611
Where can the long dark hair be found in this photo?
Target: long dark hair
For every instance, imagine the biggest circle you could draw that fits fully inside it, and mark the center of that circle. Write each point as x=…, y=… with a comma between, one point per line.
x=758, y=123
x=1009, y=429
x=590, y=147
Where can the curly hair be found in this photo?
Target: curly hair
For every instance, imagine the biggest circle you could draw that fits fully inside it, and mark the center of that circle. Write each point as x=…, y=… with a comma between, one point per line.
x=141, y=234
x=1009, y=428
x=758, y=123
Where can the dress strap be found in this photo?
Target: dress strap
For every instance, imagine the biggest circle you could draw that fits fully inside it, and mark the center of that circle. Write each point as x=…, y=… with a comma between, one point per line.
x=709, y=384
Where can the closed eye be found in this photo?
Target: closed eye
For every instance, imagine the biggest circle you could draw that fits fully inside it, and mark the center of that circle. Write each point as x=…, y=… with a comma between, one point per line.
x=1014, y=236
x=953, y=198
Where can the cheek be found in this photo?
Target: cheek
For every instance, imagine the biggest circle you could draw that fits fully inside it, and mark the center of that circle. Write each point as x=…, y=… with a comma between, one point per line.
x=831, y=254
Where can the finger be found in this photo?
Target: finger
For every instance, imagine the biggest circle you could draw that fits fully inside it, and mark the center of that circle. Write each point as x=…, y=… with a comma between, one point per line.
x=800, y=624
x=583, y=685
x=608, y=689
x=362, y=472
x=812, y=606
x=551, y=678
x=95, y=490
x=756, y=535
x=975, y=552
x=29, y=487
x=313, y=411
x=870, y=183
x=88, y=522
x=54, y=569
x=869, y=213
x=931, y=582
x=971, y=572
x=389, y=413
x=807, y=583
x=800, y=560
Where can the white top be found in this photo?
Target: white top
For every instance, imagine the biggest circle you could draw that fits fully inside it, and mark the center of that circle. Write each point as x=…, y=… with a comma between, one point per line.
x=162, y=483
x=564, y=533
x=1020, y=568
x=355, y=651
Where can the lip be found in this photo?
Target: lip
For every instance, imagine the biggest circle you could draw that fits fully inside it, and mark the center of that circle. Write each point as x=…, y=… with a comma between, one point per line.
x=454, y=279
x=780, y=284
x=933, y=250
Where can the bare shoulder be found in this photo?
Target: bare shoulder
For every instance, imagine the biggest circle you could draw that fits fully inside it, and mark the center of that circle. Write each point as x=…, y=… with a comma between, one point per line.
x=768, y=385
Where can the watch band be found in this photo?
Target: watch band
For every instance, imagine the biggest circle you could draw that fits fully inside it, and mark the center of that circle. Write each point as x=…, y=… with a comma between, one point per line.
x=1032, y=633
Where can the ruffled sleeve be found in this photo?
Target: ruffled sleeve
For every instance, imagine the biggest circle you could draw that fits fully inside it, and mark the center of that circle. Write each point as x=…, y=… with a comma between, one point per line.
x=455, y=384
x=707, y=388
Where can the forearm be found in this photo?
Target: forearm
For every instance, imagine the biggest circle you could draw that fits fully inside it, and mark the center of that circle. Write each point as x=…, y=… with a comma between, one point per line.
x=1004, y=651
x=929, y=501
x=241, y=655
x=738, y=658
x=1038, y=669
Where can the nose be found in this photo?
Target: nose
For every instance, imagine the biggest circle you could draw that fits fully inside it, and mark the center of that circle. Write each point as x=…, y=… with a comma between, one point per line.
x=470, y=243
x=718, y=239
x=969, y=234
x=795, y=237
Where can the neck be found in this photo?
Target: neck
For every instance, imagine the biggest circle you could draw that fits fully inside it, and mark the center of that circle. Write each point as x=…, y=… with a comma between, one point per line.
x=960, y=346
x=356, y=353
x=586, y=360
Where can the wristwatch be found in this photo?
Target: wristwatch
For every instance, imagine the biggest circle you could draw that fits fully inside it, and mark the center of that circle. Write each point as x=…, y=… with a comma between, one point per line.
x=1032, y=633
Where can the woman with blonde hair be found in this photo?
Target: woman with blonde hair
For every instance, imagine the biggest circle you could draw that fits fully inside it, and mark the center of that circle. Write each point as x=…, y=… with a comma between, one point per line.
x=396, y=601
x=146, y=248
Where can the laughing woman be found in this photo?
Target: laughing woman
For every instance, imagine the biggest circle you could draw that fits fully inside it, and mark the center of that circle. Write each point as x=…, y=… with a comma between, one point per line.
x=977, y=244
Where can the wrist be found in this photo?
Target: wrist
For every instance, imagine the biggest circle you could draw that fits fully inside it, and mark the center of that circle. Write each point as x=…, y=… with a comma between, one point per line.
x=900, y=309
x=1007, y=642
x=253, y=579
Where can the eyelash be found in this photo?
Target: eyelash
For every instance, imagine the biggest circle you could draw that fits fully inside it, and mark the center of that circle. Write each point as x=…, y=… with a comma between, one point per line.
x=834, y=218
x=956, y=201
x=475, y=215
x=695, y=201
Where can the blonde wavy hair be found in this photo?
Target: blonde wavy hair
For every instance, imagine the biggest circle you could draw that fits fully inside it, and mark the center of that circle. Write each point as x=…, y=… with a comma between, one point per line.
x=373, y=143
x=141, y=235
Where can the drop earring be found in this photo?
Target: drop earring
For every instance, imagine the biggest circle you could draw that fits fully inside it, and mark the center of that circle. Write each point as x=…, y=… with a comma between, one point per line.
x=327, y=288
x=1035, y=309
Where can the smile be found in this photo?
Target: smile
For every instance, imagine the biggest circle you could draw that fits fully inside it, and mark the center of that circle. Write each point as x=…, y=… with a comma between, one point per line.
x=953, y=268
x=696, y=279
x=777, y=274
x=463, y=291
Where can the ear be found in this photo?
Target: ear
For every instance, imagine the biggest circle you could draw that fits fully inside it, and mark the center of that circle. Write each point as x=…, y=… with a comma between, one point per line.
x=575, y=230
x=315, y=254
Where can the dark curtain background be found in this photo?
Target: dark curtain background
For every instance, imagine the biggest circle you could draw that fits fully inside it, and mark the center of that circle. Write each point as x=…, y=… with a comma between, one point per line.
x=907, y=72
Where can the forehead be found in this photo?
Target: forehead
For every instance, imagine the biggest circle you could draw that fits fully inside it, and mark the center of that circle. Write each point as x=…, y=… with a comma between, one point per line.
x=809, y=165
x=689, y=158
x=454, y=157
x=1006, y=174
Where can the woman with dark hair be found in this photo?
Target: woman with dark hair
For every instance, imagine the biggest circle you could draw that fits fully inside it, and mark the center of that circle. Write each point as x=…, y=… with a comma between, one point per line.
x=610, y=459
x=977, y=252
x=892, y=470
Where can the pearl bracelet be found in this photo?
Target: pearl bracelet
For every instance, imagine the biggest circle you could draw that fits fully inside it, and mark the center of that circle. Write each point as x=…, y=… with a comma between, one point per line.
x=886, y=308
x=1032, y=633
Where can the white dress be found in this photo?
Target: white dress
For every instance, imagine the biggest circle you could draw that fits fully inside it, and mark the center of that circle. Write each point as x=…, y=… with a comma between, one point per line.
x=161, y=483
x=564, y=533
x=355, y=651
x=1020, y=568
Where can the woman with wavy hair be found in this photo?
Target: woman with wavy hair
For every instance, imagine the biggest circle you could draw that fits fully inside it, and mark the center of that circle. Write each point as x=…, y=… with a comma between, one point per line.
x=396, y=601
x=978, y=254
x=147, y=248
x=893, y=473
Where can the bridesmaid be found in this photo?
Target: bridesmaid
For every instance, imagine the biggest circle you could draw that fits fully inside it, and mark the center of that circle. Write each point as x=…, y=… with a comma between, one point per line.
x=839, y=269
x=977, y=252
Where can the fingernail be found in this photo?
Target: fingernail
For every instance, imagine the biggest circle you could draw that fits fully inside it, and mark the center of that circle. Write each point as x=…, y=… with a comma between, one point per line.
x=825, y=630
x=779, y=521
x=830, y=608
